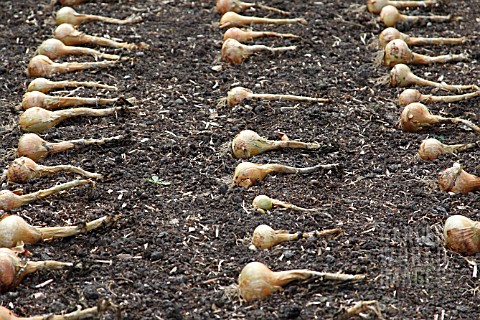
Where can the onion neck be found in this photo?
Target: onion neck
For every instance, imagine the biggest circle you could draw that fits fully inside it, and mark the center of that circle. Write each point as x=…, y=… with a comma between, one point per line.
x=466, y=183
x=281, y=278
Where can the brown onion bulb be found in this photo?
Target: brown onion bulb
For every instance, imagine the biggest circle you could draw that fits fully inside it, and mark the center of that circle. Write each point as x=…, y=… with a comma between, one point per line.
x=54, y=48
x=247, y=174
x=69, y=15
x=391, y=33
x=15, y=199
x=14, y=229
x=248, y=35
x=234, y=52
x=72, y=37
x=32, y=146
x=224, y=6
x=42, y=66
x=44, y=85
x=390, y=16
x=231, y=19
x=42, y=100
x=376, y=6
x=263, y=203
x=431, y=149
x=13, y=269
x=264, y=237
x=248, y=143
x=411, y=95
x=462, y=235
x=24, y=169
x=455, y=179
x=257, y=281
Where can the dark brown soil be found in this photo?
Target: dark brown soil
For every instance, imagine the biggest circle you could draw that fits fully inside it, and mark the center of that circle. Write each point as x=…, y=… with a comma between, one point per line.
x=177, y=246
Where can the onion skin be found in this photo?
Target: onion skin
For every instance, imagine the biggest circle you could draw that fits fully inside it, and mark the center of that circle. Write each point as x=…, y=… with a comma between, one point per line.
x=416, y=116
x=411, y=95
x=69, y=15
x=236, y=53
x=24, y=169
x=391, y=33
x=14, y=229
x=431, y=149
x=462, y=235
x=44, y=85
x=455, y=179
x=54, y=48
x=264, y=237
x=390, y=16
x=42, y=100
x=72, y=37
x=248, y=35
x=42, y=66
x=248, y=143
x=376, y=6
x=231, y=19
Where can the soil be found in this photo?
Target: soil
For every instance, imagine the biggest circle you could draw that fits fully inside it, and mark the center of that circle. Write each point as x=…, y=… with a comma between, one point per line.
x=179, y=244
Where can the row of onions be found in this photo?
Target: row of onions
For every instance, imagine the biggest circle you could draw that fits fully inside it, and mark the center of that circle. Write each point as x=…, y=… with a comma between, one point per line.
x=460, y=232
x=40, y=114
x=256, y=280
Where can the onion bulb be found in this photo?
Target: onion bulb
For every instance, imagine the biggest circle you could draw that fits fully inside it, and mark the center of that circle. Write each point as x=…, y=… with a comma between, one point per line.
x=263, y=203
x=69, y=35
x=390, y=16
x=462, y=235
x=37, y=119
x=257, y=281
x=248, y=143
x=13, y=269
x=44, y=85
x=15, y=199
x=24, y=169
x=54, y=48
x=247, y=35
x=236, y=95
x=455, y=179
x=391, y=33
x=42, y=66
x=402, y=76
x=32, y=146
x=397, y=51
x=411, y=95
x=69, y=15
x=6, y=314
x=264, y=237
x=375, y=6
x=41, y=100
x=14, y=229
x=416, y=116
x=231, y=19
x=234, y=52
x=224, y=6
x=431, y=149
x=247, y=173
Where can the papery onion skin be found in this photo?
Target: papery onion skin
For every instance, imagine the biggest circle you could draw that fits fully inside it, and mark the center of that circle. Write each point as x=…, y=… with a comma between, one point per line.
x=462, y=235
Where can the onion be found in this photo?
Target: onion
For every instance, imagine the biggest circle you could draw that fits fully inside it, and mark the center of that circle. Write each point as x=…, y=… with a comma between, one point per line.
x=431, y=149
x=42, y=66
x=236, y=53
x=411, y=95
x=401, y=76
x=462, y=235
x=14, y=229
x=32, y=146
x=232, y=19
x=263, y=203
x=24, y=169
x=455, y=179
x=416, y=116
x=45, y=85
x=264, y=237
x=69, y=35
x=15, y=199
x=236, y=95
x=390, y=16
x=391, y=33
x=37, y=119
x=69, y=15
x=397, y=51
x=247, y=35
x=54, y=48
x=13, y=270
x=375, y=6
x=247, y=173
x=257, y=281
x=6, y=314
x=248, y=143
x=41, y=100
x=224, y=6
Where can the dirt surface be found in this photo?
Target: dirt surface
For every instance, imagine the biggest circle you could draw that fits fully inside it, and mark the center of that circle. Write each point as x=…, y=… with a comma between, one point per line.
x=179, y=243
